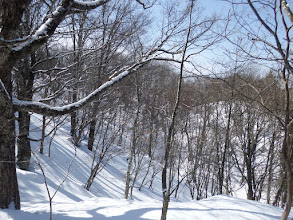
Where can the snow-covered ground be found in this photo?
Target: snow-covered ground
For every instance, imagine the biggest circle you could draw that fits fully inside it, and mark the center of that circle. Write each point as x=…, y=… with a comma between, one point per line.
x=105, y=198
x=217, y=207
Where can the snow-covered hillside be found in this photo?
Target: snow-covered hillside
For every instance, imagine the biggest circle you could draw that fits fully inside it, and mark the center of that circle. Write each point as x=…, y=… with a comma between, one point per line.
x=105, y=198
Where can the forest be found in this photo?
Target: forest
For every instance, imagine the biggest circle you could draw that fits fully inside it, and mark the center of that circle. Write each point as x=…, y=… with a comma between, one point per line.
x=197, y=94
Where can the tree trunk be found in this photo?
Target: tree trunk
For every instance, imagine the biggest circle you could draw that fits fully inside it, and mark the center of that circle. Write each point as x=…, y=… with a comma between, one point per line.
x=166, y=190
x=226, y=146
x=93, y=123
x=165, y=207
x=289, y=196
x=128, y=174
x=24, y=147
x=25, y=80
x=250, y=193
x=8, y=180
x=92, y=134
x=43, y=135
x=133, y=147
x=93, y=174
x=271, y=159
x=11, y=12
x=73, y=115
x=287, y=148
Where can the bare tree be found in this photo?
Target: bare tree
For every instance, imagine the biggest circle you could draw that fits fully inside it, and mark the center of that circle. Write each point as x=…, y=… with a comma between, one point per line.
x=13, y=48
x=49, y=193
x=268, y=33
x=166, y=181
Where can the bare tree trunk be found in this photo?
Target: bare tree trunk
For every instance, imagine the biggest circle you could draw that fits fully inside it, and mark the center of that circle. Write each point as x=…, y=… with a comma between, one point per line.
x=128, y=174
x=165, y=190
x=76, y=54
x=92, y=134
x=289, y=187
x=150, y=155
x=24, y=78
x=10, y=18
x=92, y=176
x=43, y=134
x=270, y=175
x=73, y=128
x=133, y=146
x=287, y=148
x=137, y=170
x=8, y=180
x=166, y=200
x=93, y=123
x=282, y=183
x=24, y=147
x=226, y=146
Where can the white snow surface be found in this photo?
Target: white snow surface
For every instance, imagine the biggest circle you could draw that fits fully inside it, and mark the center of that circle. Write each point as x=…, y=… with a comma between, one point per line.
x=105, y=198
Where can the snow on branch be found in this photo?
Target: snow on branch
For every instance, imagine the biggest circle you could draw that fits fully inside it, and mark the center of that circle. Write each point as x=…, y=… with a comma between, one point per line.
x=44, y=109
x=51, y=23
x=88, y=4
x=287, y=10
x=3, y=90
x=45, y=30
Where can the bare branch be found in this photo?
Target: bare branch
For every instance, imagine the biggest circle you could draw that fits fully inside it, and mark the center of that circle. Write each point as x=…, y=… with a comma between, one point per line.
x=144, y=6
x=141, y=3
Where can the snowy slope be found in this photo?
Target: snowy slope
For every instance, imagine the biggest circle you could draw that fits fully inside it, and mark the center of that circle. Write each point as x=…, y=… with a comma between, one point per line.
x=104, y=200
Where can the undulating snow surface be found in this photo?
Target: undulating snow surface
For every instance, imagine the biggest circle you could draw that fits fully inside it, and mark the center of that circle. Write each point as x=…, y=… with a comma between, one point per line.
x=105, y=198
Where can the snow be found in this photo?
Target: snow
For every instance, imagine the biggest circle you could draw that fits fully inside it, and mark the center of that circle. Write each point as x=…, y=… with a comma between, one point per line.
x=41, y=32
x=88, y=3
x=3, y=88
x=105, y=198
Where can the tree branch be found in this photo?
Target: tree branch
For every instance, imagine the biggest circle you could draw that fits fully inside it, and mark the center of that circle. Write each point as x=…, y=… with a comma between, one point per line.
x=88, y=5
x=141, y=3
x=25, y=45
x=44, y=109
x=4, y=91
x=287, y=10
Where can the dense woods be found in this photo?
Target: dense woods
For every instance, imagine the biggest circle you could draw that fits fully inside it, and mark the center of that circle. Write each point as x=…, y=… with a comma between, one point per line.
x=156, y=89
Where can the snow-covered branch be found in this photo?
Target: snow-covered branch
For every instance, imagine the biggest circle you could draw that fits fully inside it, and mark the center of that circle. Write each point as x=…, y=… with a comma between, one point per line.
x=287, y=10
x=50, y=24
x=45, y=30
x=3, y=90
x=87, y=5
x=45, y=109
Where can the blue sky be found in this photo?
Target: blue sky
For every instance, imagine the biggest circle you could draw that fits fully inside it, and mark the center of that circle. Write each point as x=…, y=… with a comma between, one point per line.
x=217, y=6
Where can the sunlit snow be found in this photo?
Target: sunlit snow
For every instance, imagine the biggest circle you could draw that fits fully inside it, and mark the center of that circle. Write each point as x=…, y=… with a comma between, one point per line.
x=105, y=199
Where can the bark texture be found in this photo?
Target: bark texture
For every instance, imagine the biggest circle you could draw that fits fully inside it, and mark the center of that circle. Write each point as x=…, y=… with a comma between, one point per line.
x=8, y=179
x=25, y=80
x=11, y=12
